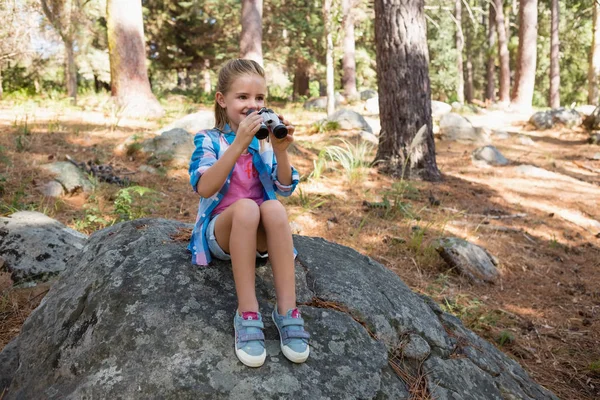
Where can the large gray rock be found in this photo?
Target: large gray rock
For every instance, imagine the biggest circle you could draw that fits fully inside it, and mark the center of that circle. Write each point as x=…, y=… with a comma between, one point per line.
x=368, y=94
x=454, y=127
x=175, y=146
x=69, y=176
x=372, y=105
x=439, y=108
x=547, y=119
x=320, y=103
x=350, y=120
x=9, y=362
x=193, y=123
x=542, y=120
x=35, y=246
x=469, y=259
x=134, y=319
x=489, y=155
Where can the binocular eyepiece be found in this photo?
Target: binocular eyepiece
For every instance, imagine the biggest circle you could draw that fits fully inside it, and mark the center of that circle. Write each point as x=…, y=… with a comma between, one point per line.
x=270, y=122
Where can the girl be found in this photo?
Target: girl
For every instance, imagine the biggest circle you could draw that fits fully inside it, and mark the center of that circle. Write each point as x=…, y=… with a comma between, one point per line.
x=239, y=217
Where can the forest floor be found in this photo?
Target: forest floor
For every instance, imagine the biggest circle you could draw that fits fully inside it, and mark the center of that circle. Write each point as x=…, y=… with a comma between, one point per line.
x=545, y=310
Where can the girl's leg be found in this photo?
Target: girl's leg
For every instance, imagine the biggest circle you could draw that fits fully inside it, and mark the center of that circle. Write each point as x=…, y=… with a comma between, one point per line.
x=275, y=227
x=235, y=231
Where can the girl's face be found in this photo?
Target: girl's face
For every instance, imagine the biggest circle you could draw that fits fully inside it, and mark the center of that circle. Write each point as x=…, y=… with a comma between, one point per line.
x=246, y=92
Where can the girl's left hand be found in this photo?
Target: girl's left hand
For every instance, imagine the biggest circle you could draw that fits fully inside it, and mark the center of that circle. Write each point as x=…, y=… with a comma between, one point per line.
x=284, y=143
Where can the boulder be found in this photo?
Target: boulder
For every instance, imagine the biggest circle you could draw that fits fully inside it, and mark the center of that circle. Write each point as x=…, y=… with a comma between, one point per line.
x=320, y=103
x=69, y=176
x=350, y=120
x=368, y=94
x=547, y=119
x=192, y=123
x=9, y=362
x=175, y=146
x=542, y=120
x=454, y=127
x=586, y=109
x=469, y=259
x=36, y=247
x=372, y=105
x=489, y=155
x=439, y=108
x=134, y=319
x=500, y=134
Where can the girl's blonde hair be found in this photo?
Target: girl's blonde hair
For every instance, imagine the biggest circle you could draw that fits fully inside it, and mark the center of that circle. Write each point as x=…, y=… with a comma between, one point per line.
x=230, y=72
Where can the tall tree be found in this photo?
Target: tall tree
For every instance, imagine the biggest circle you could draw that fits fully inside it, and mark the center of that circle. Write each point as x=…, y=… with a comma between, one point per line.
x=63, y=15
x=490, y=89
x=127, y=51
x=251, y=37
x=504, y=93
x=404, y=90
x=554, y=58
x=522, y=95
x=329, y=56
x=594, y=68
x=460, y=42
x=349, y=61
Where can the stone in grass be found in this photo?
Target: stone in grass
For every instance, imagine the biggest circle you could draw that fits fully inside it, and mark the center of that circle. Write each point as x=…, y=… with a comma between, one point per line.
x=35, y=246
x=176, y=146
x=350, y=120
x=69, y=176
x=488, y=155
x=469, y=259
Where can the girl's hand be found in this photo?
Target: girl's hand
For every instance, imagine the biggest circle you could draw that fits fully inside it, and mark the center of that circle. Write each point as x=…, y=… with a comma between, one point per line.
x=280, y=145
x=247, y=129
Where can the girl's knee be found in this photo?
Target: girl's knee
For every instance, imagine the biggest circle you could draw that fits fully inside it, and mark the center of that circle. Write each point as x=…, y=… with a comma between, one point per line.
x=273, y=212
x=246, y=211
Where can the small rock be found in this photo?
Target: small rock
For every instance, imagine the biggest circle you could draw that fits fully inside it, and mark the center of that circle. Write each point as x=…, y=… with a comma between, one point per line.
x=295, y=227
x=439, y=108
x=542, y=120
x=350, y=120
x=469, y=259
x=417, y=348
x=147, y=168
x=500, y=135
x=489, y=155
x=567, y=117
x=454, y=127
x=175, y=145
x=192, y=123
x=52, y=189
x=526, y=140
x=69, y=176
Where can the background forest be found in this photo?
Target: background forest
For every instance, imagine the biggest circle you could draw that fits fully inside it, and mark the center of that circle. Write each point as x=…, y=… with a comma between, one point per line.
x=525, y=188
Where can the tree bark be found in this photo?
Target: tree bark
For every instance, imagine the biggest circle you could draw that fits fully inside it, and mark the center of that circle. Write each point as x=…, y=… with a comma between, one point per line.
x=329, y=57
x=251, y=36
x=130, y=86
x=404, y=90
x=469, y=70
x=554, y=58
x=460, y=40
x=206, y=84
x=490, y=89
x=301, y=79
x=349, y=61
x=504, y=81
x=1, y=89
x=594, y=68
x=526, y=57
x=70, y=71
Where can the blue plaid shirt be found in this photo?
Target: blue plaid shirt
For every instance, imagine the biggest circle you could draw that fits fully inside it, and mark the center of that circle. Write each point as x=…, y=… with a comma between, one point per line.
x=210, y=146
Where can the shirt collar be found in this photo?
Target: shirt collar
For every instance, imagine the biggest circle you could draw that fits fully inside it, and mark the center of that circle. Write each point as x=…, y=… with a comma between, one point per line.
x=230, y=137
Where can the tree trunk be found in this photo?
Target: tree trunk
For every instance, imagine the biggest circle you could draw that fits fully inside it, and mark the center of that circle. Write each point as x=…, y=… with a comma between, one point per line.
x=70, y=71
x=130, y=86
x=1, y=90
x=404, y=90
x=206, y=84
x=490, y=89
x=251, y=37
x=526, y=57
x=301, y=79
x=460, y=40
x=469, y=69
x=594, y=68
x=329, y=57
x=503, y=54
x=554, y=58
x=349, y=61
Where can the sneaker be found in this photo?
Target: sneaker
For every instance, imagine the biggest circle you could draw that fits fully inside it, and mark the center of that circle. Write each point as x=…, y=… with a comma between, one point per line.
x=249, y=338
x=293, y=337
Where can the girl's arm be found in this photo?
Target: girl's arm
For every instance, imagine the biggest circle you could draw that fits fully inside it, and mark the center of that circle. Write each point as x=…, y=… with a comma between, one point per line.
x=213, y=178
x=284, y=168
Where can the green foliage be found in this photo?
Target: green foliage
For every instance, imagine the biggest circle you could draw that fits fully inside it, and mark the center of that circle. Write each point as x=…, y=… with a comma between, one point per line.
x=305, y=200
x=325, y=125
x=505, y=337
x=126, y=206
x=319, y=166
x=595, y=367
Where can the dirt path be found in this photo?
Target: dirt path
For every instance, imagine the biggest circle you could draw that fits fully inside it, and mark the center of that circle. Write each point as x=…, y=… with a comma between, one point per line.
x=545, y=311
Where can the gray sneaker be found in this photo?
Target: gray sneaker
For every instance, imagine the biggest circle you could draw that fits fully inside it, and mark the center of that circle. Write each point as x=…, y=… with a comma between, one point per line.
x=249, y=338
x=293, y=337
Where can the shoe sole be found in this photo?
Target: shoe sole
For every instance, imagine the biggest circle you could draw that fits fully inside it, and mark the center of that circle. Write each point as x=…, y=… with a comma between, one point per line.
x=245, y=358
x=290, y=354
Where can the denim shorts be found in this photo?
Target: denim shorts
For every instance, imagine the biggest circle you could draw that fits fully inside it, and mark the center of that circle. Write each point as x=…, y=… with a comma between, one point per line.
x=214, y=247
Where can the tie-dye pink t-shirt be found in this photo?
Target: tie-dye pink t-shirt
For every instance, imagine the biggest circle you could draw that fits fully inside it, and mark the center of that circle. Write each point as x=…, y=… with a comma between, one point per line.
x=244, y=184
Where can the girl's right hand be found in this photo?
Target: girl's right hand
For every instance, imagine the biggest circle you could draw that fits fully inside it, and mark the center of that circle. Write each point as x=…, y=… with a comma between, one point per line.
x=247, y=129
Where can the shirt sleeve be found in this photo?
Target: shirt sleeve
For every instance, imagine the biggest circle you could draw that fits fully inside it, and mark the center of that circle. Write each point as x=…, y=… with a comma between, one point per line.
x=281, y=189
x=203, y=157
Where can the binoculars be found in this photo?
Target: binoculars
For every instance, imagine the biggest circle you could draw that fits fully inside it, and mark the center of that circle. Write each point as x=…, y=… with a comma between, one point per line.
x=270, y=122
